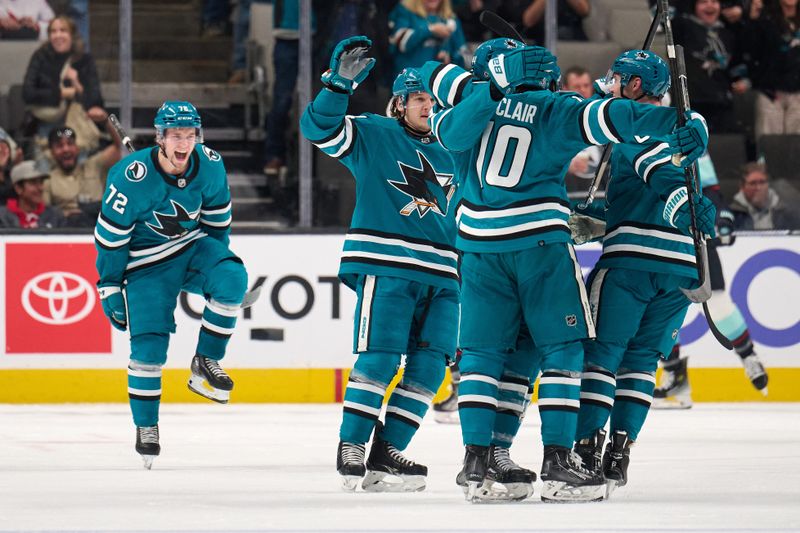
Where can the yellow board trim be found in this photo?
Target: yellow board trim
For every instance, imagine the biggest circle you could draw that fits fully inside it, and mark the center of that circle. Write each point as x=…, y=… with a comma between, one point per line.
x=319, y=385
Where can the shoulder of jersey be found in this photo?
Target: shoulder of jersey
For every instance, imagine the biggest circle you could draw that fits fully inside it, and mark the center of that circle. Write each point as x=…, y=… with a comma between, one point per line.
x=133, y=168
x=207, y=155
x=571, y=94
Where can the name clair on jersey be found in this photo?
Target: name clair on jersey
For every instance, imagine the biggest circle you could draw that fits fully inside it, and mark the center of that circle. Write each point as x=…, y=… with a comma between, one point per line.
x=522, y=111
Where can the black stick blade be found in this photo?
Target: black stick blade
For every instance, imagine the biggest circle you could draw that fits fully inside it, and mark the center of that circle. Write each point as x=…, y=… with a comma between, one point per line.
x=499, y=25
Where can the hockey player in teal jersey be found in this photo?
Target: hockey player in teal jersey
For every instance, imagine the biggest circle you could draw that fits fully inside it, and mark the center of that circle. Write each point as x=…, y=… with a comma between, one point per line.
x=636, y=301
x=163, y=228
x=513, y=139
x=399, y=258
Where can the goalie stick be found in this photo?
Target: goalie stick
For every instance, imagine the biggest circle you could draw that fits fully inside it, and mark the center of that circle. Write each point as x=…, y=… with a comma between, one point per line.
x=250, y=297
x=680, y=91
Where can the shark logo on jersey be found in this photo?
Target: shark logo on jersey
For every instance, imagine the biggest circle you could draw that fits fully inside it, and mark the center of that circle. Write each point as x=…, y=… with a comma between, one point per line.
x=177, y=224
x=210, y=154
x=428, y=189
x=136, y=171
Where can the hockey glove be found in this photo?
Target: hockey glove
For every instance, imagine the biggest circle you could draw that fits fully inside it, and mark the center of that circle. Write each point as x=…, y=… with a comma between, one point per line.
x=678, y=215
x=585, y=228
x=114, y=305
x=725, y=228
x=530, y=65
x=690, y=141
x=348, y=66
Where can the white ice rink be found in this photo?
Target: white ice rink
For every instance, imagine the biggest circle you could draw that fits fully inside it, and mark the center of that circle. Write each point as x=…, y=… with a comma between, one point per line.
x=733, y=467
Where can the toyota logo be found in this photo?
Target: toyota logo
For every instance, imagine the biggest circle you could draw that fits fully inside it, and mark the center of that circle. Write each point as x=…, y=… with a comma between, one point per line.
x=63, y=292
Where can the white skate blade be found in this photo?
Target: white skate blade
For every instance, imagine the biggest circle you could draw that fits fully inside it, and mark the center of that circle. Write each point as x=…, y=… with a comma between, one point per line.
x=446, y=417
x=763, y=391
x=349, y=483
x=561, y=492
x=382, y=482
x=672, y=402
x=148, y=461
x=611, y=486
x=471, y=491
x=203, y=388
x=491, y=492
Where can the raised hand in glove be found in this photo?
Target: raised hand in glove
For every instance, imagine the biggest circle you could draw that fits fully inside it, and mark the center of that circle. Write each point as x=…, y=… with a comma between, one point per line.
x=725, y=228
x=689, y=141
x=529, y=65
x=349, y=66
x=678, y=215
x=114, y=305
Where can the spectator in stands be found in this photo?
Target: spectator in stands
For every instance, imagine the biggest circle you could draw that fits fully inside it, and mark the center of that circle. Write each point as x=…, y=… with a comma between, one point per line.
x=77, y=10
x=285, y=55
x=528, y=17
x=772, y=40
x=28, y=209
x=468, y=12
x=10, y=154
x=76, y=187
x=61, y=83
x=216, y=18
x=584, y=165
x=24, y=19
x=714, y=66
x=425, y=30
x=757, y=206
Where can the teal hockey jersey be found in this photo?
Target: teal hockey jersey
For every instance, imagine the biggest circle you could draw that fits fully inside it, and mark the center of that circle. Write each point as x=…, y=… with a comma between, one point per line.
x=149, y=216
x=637, y=236
x=515, y=153
x=403, y=222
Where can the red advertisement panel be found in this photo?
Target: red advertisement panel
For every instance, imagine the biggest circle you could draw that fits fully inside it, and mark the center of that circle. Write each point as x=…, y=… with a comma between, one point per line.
x=51, y=302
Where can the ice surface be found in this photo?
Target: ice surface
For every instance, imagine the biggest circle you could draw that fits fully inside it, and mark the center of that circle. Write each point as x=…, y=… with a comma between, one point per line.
x=716, y=467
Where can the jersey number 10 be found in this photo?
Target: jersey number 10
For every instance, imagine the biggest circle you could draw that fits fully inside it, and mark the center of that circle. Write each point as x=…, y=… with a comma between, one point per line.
x=499, y=173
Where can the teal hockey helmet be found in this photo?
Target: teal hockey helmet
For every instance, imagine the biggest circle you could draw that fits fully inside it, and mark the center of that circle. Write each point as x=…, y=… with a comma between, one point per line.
x=178, y=114
x=650, y=68
x=489, y=49
x=409, y=81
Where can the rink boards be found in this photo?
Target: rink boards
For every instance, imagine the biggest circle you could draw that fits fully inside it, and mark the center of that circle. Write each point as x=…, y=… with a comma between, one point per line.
x=294, y=344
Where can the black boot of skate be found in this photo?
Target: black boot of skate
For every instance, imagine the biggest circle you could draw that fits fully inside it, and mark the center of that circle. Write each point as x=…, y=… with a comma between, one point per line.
x=616, y=460
x=147, y=444
x=386, y=464
x=516, y=483
x=565, y=480
x=590, y=451
x=209, y=380
x=350, y=464
x=756, y=373
x=673, y=391
x=446, y=411
x=473, y=473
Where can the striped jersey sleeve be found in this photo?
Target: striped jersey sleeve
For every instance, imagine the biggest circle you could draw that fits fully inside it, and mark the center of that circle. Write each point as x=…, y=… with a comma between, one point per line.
x=449, y=84
x=326, y=125
x=114, y=227
x=459, y=128
x=407, y=30
x=216, y=214
x=652, y=162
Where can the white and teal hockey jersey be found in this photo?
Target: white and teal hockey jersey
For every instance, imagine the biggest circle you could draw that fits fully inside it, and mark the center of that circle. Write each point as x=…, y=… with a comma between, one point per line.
x=149, y=216
x=637, y=236
x=403, y=222
x=515, y=152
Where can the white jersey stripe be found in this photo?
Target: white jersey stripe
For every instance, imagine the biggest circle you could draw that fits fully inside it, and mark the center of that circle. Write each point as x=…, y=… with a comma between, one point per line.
x=642, y=376
x=363, y=408
x=513, y=211
x=440, y=77
x=166, y=245
x=650, y=153
x=215, y=328
x=601, y=119
x=113, y=229
x=166, y=253
x=137, y=373
x=587, y=311
x=597, y=376
x=216, y=211
x=400, y=242
x=630, y=230
x=476, y=398
x=559, y=401
x=412, y=395
x=510, y=406
x=573, y=382
x=479, y=377
x=144, y=392
x=513, y=387
x=407, y=260
x=658, y=252
x=587, y=128
x=404, y=413
x=220, y=224
x=221, y=309
x=367, y=387
x=454, y=88
x=111, y=244
x=597, y=397
x=635, y=394
x=510, y=230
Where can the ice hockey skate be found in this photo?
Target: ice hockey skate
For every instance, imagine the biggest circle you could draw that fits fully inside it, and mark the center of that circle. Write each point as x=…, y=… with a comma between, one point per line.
x=446, y=411
x=565, y=480
x=209, y=380
x=350, y=464
x=590, y=450
x=673, y=391
x=147, y=444
x=505, y=480
x=388, y=470
x=616, y=460
x=756, y=373
x=473, y=473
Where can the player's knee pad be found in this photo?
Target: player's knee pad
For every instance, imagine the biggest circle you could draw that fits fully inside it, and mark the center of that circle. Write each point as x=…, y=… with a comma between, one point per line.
x=230, y=281
x=150, y=348
x=486, y=362
x=375, y=368
x=424, y=371
x=562, y=357
x=639, y=359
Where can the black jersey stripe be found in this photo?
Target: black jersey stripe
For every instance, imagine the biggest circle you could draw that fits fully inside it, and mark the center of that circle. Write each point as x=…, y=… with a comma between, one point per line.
x=412, y=240
x=332, y=136
x=649, y=257
x=215, y=333
x=515, y=380
x=597, y=403
x=567, y=408
x=476, y=405
x=395, y=264
x=609, y=122
x=353, y=139
x=144, y=398
x=460, y=89
x=512, y=236
x=652, y=170
x=115, y=224
x=180, y=250
x=632, y=399
x=358, y=412
x=646, y=226
x=521, y=203
x=398, y=416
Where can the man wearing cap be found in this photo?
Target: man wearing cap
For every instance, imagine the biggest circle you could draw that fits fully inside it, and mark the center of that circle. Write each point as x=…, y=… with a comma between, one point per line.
x=9, y=154
x=76, y=186
x=28, y=210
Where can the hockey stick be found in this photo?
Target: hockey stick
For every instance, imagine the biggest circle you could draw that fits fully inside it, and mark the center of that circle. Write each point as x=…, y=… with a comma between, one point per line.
x=680, y=92
x=499, y=25
x=602, y=168
x=250, y=297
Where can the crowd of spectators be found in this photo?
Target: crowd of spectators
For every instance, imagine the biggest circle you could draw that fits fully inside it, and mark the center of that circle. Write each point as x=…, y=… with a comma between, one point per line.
x=736, y=51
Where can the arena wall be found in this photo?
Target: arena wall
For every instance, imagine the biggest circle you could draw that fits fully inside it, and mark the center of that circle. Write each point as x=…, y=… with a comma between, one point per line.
x=294, y=344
